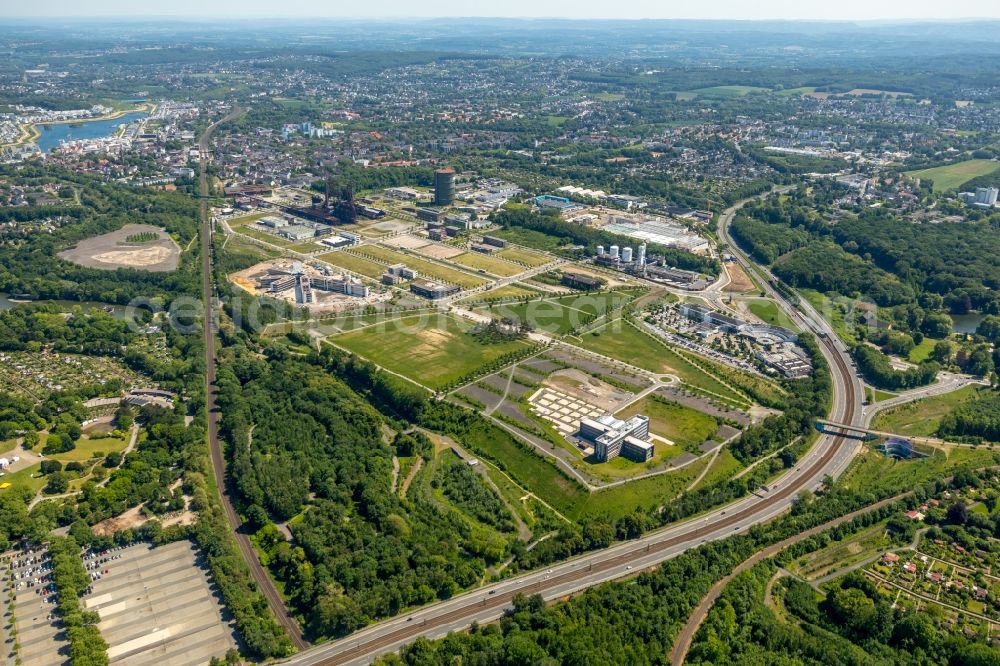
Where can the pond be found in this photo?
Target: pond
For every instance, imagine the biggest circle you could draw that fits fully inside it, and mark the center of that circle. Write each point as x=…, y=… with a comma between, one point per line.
x=966, y=323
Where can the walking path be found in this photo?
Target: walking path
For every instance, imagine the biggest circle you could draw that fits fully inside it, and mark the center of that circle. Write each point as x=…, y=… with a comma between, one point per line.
x=100, y=484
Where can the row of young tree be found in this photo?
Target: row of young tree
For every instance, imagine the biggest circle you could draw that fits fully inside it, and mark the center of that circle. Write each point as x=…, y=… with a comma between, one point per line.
x=86, y=645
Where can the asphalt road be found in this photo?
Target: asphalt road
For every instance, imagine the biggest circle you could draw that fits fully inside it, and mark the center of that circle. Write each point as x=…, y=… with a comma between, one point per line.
x=260, y=576
x=828, y=457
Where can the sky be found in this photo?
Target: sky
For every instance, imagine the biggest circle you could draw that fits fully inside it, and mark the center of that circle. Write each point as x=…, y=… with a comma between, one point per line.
x=626, y=9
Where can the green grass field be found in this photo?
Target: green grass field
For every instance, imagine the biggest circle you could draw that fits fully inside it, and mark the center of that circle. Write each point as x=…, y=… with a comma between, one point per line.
x=264, y=236
x=563, y=314
x=556, y=121
x=723, y=468
x=476, y=261
x=526, y=257
x=830, y=309
x=426, y=268
x=87, y=449
x=685, y=427
x=434, y=350
x=922, y=351
x=951, y=176
x=770, y=313
x=796, y=91
x=528, y=469
x=247, y=219
x=353, y=263
x=644, y=493
x=514, y=290
x=608, y=97
x=921, y=418
x=529, y=238
x=873, y=470
x=622, y=341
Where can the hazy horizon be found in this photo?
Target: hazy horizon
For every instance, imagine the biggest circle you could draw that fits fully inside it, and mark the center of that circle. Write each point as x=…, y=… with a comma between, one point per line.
x=766, y=10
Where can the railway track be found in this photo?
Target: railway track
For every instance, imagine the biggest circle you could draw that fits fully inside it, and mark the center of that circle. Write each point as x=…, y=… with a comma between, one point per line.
x=482, y=601
x=260, y=576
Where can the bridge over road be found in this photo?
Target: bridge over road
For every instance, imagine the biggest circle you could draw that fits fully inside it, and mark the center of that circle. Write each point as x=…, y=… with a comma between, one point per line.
x=860, y=432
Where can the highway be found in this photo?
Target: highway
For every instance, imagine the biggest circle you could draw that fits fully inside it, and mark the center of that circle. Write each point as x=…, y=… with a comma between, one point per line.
x=828, y=457
x=260, y=576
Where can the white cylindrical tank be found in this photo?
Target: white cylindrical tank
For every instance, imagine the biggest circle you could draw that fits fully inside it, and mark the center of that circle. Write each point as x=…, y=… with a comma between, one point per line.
x=614, y=252
x=600, y=250
x=642, y=254
x=627, y=254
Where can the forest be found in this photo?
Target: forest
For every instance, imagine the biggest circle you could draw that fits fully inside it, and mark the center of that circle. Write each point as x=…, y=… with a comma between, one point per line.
x=29, y=264
x=300, y=438
x=636, y=623
x=975, y=421
x=874, y=252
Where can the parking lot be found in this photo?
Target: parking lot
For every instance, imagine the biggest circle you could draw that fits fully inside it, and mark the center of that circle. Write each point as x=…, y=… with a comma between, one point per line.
x=157, y=606
x=39, y=630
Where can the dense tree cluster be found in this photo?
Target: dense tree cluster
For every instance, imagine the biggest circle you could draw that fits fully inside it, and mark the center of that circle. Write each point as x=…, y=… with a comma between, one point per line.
x=34, y=268
x=636, y=623
x=878, y=371
x=766, y=242
x=975, y=420
x=300, y=437
x=826, y=267
x=930, y=265
x=470, y=491
x=86, y=645
x=33, y=326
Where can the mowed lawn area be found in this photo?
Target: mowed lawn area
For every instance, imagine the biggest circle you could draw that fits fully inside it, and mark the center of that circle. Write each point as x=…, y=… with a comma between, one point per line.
x=515, y=290
x=770, y=313
x=921, y=418
x=526, y=257
x=426, y=269
x=434, y=350
x=477, y=261
x=353, y=263
x=685, y=427
x=951, y=176
x=624, y=342
x=562, y=314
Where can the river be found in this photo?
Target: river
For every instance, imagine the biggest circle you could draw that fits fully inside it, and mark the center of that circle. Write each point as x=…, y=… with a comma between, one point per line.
x=53, y=133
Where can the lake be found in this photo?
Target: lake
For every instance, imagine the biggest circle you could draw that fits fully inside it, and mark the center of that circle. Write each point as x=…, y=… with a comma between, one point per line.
x=966, y=323
x=52, y=134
